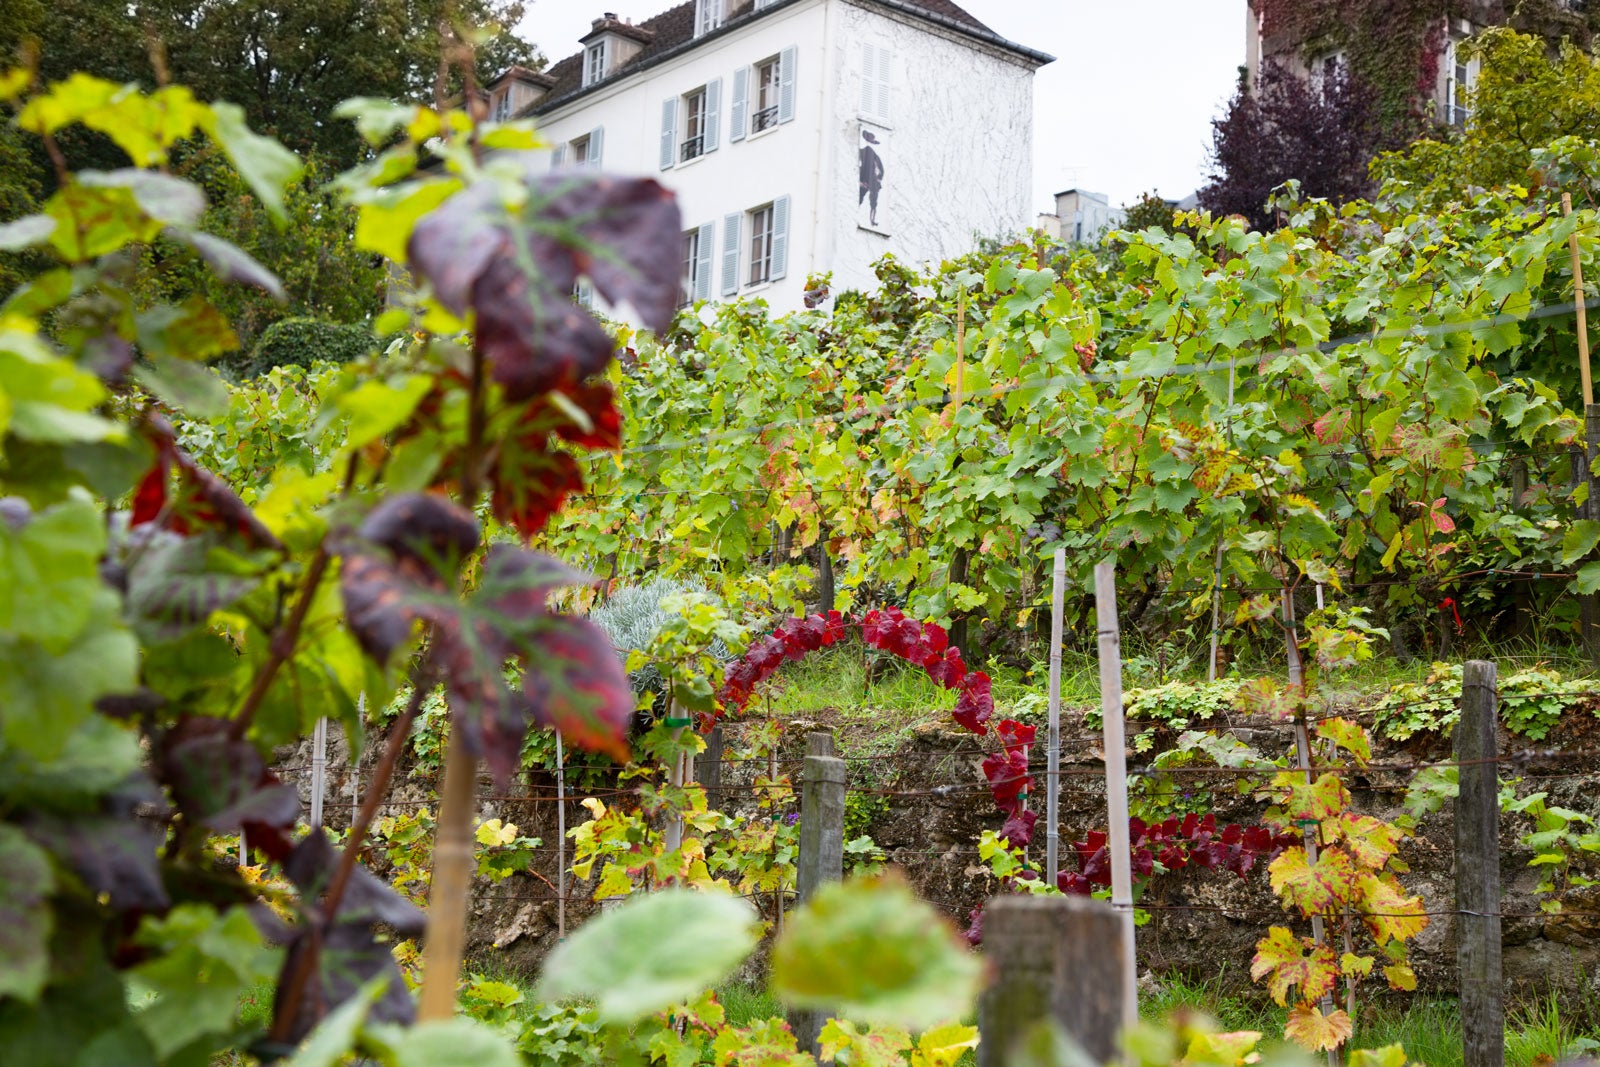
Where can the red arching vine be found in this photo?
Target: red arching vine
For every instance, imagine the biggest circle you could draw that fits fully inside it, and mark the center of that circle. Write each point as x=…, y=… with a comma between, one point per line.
x=926, y=645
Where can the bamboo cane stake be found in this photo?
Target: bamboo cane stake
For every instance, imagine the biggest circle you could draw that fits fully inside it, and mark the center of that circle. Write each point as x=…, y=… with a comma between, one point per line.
x=447, y=896
x=1105, y=599
x=1583, y=312
x=319, y=770
x=961, y=344
x=1052, y=801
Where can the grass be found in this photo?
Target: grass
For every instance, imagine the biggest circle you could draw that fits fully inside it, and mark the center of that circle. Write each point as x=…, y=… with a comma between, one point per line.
x=1428, y=1028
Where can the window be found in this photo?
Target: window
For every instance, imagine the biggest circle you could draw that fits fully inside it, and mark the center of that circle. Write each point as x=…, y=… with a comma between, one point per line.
x=877, y=81
x=1326, y=72
x=1460, y=75
x=769, y=77
x=694, y=126
x=502, y=106
x=761, y=231
x=691, y=268
x=707, y=16
x=594, y=63
x=579, y=152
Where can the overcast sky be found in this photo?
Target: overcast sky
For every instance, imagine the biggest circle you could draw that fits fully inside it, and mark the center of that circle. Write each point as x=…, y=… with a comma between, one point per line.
x=1126, y=107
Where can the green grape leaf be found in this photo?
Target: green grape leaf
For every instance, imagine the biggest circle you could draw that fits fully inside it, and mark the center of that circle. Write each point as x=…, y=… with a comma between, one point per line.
x=264, y=164
x=160, y=196
x=651, y=952
x=228, y=261
x=871, y=950
x=25, y=918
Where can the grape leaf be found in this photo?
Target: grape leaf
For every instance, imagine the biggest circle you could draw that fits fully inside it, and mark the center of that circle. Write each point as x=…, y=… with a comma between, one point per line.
x=175, y=583
x=1311, y=888
x=264, y=164
x=1310, y=1029
x=651, y=952
x=113, y=850
x=519, y=277
x=869, y=949
x=25, y=917
x=1349, y=736
x=1370, y=842
x=228, y=261
x=221, y=783
x=1287, y=961
x=1389, y=914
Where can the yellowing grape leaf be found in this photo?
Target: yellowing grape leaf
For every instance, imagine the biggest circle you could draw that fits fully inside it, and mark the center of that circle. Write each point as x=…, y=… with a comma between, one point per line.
x=1401, y=976
x=1310, y=887
x=1312, y=1030
x=1389, y=914
x=1232, y=1049
x=867, y=1046
x=1313, y=801
x=943, y=1045
x=1348, y=735
x=1264, y=696
x=1355, y=966
x=1387, y=1056
x=1370, y=842
x=1294, y=961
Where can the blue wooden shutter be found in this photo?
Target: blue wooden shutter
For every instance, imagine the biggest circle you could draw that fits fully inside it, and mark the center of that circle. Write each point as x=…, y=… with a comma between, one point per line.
x=730, y=254
x=780, y=237
x=884, y=83
x=669, y=131
x=741, y=104
x=703, y=258
x=786, y=70
x=711, y=128
x=597, y=141
x=558, y=155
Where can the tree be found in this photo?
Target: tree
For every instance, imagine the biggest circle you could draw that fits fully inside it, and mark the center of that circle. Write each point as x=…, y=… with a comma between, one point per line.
x=288, y=63
x=20, y=182
x=1322, y=137
x=1526, y=97
x=1151, y=209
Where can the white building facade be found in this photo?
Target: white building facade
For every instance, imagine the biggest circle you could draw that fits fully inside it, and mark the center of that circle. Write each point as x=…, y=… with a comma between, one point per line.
x=804, y=137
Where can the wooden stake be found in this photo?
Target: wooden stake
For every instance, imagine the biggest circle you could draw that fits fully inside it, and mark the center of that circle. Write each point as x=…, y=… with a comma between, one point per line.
x=1478, y=870
x=961, y=344
x=672, y=838
x=1302, y=748
x=452, y=874
x=1052, y=774
x=1216, y=567
x=1579, y=298
x=319, y=770
x=1105, y=599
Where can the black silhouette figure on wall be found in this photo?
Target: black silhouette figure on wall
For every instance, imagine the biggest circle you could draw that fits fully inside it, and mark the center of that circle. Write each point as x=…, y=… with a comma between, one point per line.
x=871, y=174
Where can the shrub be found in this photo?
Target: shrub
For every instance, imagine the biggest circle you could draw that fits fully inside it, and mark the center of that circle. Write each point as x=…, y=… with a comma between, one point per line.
x=632, y=617
x=301, y=342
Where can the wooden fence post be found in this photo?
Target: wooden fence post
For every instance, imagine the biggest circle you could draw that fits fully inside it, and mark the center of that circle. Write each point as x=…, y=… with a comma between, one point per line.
x=1478, y=869
x=821, y=743
x=1116, y=755
x=1060, y=959
x=708, y=769
x=821, y=853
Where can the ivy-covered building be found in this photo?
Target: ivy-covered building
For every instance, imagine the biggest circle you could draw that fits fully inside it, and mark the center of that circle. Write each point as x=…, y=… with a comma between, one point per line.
x=1406, y=53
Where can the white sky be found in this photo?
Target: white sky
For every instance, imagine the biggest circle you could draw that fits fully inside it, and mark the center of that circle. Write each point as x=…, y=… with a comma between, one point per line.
x=1126, y=107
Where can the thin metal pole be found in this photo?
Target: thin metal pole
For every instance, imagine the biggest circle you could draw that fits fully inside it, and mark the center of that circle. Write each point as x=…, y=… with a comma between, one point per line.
x=1105, y=599
x=355, y=764
x=319, y=770
x=1052, y=816
x=1216, y=567
x=561, y=840
x=244, y=849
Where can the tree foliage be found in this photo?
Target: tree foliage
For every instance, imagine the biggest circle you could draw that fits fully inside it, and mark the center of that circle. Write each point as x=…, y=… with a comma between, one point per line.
x=289, y=63
x=1285, y=129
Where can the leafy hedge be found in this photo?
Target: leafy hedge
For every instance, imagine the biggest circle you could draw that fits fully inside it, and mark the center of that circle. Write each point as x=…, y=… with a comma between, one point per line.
x=301, y=342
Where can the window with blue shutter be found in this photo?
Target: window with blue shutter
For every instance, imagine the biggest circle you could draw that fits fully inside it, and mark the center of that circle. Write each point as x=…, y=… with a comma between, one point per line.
x=740, y=112
x=702, y=270
x=596, y=144
x=730, y=254
x=780, y=238
x=669, y=131
x=786, y=68
x=711, y=126
x=558, y=155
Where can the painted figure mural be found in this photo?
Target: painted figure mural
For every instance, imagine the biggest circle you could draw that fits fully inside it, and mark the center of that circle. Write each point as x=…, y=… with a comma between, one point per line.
x=872, y=173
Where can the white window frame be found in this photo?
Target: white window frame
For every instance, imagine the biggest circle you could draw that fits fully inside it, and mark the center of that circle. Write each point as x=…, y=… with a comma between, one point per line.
x=707, y=16
x=759, y=93
x=762, y=229
x=1460, y=75
x=693, y=109
x=1321, y=65
x=691, y=268
x=578, y=151
x=594, y=63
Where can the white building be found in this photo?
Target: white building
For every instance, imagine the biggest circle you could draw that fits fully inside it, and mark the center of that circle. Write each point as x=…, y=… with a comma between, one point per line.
x=1081, y=217
x=802, y=136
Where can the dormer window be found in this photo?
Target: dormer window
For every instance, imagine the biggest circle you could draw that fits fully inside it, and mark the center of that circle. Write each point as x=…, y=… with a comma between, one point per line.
x=594, y=63
x=502, y=105
x=707, y=16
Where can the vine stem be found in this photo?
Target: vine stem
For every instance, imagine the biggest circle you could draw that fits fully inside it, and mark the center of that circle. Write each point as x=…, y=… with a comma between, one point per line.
x=376, y=790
